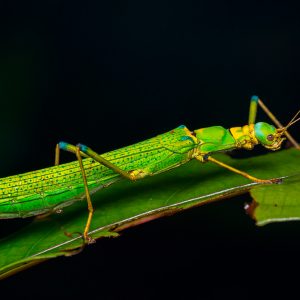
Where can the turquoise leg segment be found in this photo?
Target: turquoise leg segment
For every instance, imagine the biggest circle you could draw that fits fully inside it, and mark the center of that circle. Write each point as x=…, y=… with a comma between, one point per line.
x=71, y=148
x=67, y=147
x=83, y=148
x=254, y=98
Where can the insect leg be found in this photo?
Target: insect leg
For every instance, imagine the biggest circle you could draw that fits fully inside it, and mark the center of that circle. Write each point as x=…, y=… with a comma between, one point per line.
x=277, y=123
x=67, y=147
x=252, y=116
x=209, y=158
x=88, y=152
x=57, y=154
x=84, y=151
x=87, y=239
x=253, y=109
x=79, y=154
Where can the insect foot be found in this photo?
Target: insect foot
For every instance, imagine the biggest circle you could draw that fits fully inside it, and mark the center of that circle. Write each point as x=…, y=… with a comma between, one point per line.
x=89, y=240
x=276, y=180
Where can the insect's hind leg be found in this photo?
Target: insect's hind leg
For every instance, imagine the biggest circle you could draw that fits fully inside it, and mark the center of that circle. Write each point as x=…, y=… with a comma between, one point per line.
x=83, y=151
x=75, y=149
x=88, y=152
x=57, y=155
x=87, y=238
x=67, y=147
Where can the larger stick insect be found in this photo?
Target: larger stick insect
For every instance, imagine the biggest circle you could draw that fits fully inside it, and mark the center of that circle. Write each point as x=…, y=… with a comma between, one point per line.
x=50, y=189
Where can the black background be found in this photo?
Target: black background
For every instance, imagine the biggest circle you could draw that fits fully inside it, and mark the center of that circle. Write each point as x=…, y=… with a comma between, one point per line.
x=109, y=74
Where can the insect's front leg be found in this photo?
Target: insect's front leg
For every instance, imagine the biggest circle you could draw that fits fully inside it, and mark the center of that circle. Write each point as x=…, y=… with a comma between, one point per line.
x=255, y=100
x=253, y=109
x=206, y=158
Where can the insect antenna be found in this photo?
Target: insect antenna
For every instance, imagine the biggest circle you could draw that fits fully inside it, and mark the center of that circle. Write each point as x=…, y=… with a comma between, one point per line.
x=293, y=121
x=283, y=130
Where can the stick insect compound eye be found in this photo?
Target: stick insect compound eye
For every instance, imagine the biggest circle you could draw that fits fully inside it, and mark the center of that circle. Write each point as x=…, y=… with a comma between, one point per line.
x=270, y=137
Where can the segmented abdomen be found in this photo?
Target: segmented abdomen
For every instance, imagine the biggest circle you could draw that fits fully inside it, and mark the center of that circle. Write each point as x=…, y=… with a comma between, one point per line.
x=44, y=190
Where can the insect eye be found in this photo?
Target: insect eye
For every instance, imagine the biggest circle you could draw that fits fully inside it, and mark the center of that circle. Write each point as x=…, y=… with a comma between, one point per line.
x=270, y=137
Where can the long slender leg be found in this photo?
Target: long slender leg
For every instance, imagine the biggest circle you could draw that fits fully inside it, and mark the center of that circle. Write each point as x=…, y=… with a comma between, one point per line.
x=57, y=155
x=253, y=109
x=67, y=147
x=252, y=178
x=252, y=116
x=88, y=152
x=76, y=150
x=82, y=150
x=87, y=239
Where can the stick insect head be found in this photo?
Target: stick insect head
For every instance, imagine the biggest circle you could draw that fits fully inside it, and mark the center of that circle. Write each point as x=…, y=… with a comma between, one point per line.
x=271, y=137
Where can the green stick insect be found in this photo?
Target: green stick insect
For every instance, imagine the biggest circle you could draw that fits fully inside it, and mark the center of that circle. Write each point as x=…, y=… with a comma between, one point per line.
x=50, y=189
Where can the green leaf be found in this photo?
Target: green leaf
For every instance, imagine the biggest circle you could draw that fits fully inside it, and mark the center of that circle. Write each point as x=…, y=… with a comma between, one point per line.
x=280, y=203
x=126, y=204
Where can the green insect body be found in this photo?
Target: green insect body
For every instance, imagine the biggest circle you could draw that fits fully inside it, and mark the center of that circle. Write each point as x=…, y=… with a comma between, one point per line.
x=50, y=189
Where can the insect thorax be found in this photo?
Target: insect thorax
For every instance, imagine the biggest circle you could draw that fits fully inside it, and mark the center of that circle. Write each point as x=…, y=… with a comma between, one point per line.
x=218, y=138
x=244, y=136
x=214, y=139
